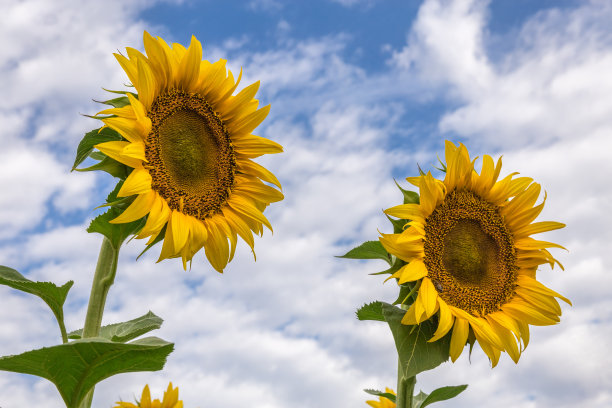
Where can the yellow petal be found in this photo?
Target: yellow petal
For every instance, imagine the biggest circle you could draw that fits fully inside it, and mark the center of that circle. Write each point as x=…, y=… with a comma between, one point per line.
x=128, y=128
x=138, y=182
x=254, y=146
x=138, y=209
x=145, y=399
x=445, y=322
x=248, y=123
x=406, y=211
x=245, y=207
x=158, y=216
x=116, y=150
x=458, y=338
x=537, y=227
x=429, y=296
x=249, y=167
x=147, y=85
x=415, y=270
x=507, y=338
x=259, y=191
x=129, y=67
x=216, y=248
x=189, y=68
x=536, y=286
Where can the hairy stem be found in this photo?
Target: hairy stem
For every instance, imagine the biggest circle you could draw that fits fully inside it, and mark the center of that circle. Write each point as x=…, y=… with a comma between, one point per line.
x=102, y=281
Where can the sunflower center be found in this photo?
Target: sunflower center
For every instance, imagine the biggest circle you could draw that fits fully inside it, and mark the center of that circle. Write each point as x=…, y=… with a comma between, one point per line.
x=469, y=254
x=191, y=159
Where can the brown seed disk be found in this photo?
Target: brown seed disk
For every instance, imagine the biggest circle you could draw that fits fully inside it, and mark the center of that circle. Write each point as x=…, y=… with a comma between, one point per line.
x=190, y=156
x=470, y=254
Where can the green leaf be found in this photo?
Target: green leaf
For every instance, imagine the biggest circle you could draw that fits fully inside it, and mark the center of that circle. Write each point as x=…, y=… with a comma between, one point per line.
x=91, y=139
x=119, y=102
x=387, y=395
x=54, y=296
x=410, y=197
x=126, y=331
x=371, y=311
x=111, y=166
x=415, y=353
x=116, y=233
x=443, y=394
x=77, y=366
x=368, y=250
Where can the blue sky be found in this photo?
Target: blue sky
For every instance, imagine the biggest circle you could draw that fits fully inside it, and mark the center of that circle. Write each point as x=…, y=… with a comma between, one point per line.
x=361, y=91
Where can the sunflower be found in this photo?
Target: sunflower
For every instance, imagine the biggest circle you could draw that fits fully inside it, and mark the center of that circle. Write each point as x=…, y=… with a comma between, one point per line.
x=170, y=400
x=469, y=253
x=383, y=402
x=188, y=143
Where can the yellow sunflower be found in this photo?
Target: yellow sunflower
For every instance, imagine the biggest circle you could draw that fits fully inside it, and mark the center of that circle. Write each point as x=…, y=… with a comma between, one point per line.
x=384, y=402
x=188, y=141
x=170, y=400
x=469, y=250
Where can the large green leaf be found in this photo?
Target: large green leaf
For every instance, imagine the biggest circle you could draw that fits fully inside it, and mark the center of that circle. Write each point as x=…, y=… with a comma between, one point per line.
x=126, y=331
x=91, y=139
x=77, y=366
x=442, y=394
x=368, y=250
x=49, y=292
x=415, y=353
x=371, y=311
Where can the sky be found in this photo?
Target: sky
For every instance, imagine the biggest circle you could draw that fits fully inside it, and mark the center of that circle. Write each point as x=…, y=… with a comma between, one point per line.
x=361, y=91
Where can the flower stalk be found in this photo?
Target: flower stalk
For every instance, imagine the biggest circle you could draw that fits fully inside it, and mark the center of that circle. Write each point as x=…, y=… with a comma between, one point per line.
x=405, y=389
x=104, y=277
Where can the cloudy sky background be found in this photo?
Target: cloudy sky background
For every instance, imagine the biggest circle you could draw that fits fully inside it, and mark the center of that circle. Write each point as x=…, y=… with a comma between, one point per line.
x=361, y=91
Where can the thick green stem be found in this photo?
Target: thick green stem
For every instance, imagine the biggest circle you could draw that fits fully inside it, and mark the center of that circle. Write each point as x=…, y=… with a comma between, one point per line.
x=405, y=389
x=102, y=281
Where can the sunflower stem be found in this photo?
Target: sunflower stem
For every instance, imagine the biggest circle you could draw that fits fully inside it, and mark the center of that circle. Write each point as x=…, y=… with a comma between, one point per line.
x=102, y=281
x=405, y=388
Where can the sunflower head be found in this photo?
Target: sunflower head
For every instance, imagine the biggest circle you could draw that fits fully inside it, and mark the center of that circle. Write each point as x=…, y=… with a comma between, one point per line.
x=382, y=401
x=170, y=400
x=186, y=143
x=467, y=251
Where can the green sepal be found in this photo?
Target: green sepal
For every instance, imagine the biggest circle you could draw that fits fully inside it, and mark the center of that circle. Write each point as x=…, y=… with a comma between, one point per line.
x=126, y=331
x=371, y=311
x=368, y=250
x=109, y=165
x=397, y=264
x=77, y=366
x=442, y=167
x=406, y=290
x=398, y=225
x=135, y=95
x=410, y=197
x=440, y=394
x=415, y=353
x=116, y=233
x=119, y=102
x=157, y=239
x=54, y=296
x=91, y=139
x=377, y=393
